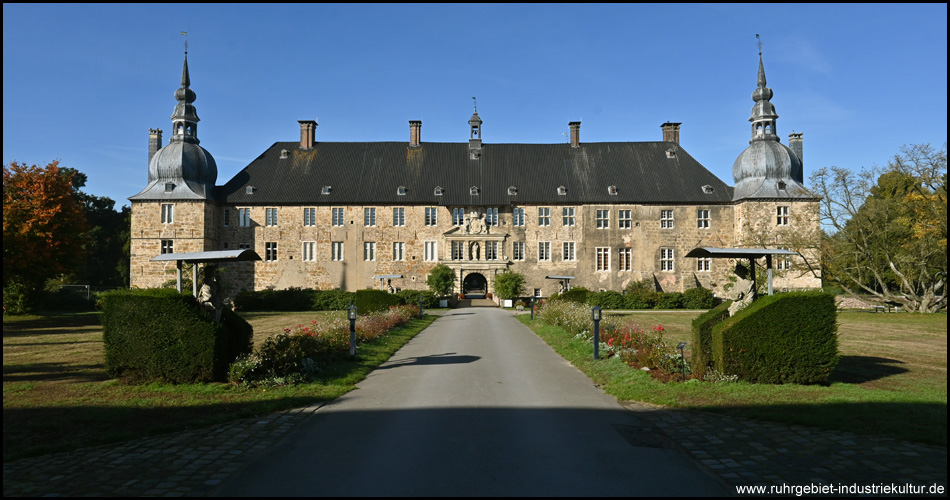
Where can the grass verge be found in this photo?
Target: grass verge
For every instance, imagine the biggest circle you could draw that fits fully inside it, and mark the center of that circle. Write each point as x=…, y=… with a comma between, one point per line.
x=892, y=379
x=57, y=396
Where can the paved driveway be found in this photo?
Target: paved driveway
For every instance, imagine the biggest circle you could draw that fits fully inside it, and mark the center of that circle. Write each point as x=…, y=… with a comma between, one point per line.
x=476, y=405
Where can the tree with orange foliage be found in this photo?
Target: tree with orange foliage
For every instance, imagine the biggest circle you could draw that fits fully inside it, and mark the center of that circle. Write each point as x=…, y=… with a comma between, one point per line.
x=43, y=223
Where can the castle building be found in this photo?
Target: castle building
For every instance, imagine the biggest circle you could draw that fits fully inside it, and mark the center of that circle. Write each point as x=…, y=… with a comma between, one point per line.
x=349, y=214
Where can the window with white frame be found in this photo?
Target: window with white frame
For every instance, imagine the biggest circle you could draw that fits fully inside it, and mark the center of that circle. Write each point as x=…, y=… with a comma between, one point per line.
x=544, y=250
x=603, y=219
x=666, y=259
x=399, y=216
x=567, y=216
x=702, y=219
x=310, y=216
x=369, y=250
x=270, y=251
x=517, y=216
x=624, y=219
x=244, y=217
x=544, y=216
x=783, y=262
x=666, y=219
x=567, y=251
x=432, y=216
x=603, y=259
x=168, y=213
x=491, y=216
x=517, y=250
x=336, y=251
x=369, y=217
x=309, y=251
x=703, y=264
x=781, y=215
x=626, y=256
x=537, y=292
x=270, y=216
x=226, y=217
x=431, y=251
x=491, y=250
x=458, y=216
x=458, y=250
x=168, y=246
x=337, y=214
x=399, y=251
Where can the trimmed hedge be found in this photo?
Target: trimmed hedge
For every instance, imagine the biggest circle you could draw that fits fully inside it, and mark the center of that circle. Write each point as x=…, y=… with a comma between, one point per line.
x=702, y=336
x=370, y=300
x=411, y=298
x=159, y=334
x=780, y=339
x=332, y=300
x=577, y=294
x=698, y=298
x=606, y=300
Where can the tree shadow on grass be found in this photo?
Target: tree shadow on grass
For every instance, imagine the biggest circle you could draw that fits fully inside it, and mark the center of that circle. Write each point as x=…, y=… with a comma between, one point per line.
x=861, y=369
x=45, y=372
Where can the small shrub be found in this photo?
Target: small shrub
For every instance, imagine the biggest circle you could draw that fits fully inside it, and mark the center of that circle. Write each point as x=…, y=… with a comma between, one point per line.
x=698, y=298
x=576, y=294
x=411, y=297
x=332, y=300
x=369, y=300
x=669, y=300
x=606, y=300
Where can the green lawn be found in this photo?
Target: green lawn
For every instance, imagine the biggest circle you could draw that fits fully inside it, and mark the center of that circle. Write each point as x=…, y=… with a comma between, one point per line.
x=892, y=378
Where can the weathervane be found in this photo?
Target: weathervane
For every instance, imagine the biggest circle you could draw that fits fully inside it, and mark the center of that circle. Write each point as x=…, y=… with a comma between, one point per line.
x=475, y=103
x=185, y=34
x=759, y=41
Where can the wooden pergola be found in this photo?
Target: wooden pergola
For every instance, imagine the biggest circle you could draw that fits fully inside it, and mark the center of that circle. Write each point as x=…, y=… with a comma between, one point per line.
x=743, y=253
x=212, y=257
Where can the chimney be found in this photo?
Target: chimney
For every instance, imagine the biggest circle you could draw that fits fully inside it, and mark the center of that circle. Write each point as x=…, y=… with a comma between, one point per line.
x=575, y=134
x=671, y=132
x=308, y=132
x=795, y=144
x=415, y=132
x=154, y=142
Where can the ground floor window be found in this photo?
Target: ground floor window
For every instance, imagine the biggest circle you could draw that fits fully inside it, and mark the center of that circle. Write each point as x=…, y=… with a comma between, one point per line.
x=309, y=252
x=666, y=259
x=431, y=251
x=603, y=259
x=703, y=264
x=625, y=257
x=369, y=250
x=399, y=250
x=270, y=251
x=517, y=250
x=336, y=251
x=168, y=246
x=544, y=250
x=567, y=250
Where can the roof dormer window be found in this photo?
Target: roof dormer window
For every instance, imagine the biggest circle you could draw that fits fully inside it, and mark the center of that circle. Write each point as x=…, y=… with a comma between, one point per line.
x=439, y=191
x=249, y=190
x=473, y=191
x=561, y=190
x=283, y=154
x=612, y=190
x=671, y=153
x=401, y=191
x=781, y=185
x=512, y=190
x=326, y=190
x=708, y=189
x=169, y=187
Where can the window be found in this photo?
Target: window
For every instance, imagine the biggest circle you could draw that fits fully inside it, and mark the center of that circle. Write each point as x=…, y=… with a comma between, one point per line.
x=369, y=217
x=625, y=257
x=458, y=250
x=270, y=251
x=612, y=190
x=561, y=191
x=226, y=218
x=491, y=217
x=491, y=250
x=337, y=216
x=401, y=191
x=399, y=251
x=458, y=216
x=270, y=217
x=325, y=190
x=517, y=250
x=703, y=264
x=702, y=219
x=431, y=251
x=336, y=251
x=537, y=292
x=544, y=250
x=624, y=219
x=603, y=259
x=310, y=217
x=512, y=191
x=168, y=246
x=399, y=216
x=369, y=250
x=244, y=217
x=517, y=217
x=603, y=219
x=666, y=219
x=666, y=259
x=439, y=191
x=567, y=216
x=432, y=217
x=473, y=191
x=169, y=187
x=244, y=246
x=544, y=216
x=309, y=252
x=168, y=213
x=781, y=216
x=783, y=262
x=567, y=250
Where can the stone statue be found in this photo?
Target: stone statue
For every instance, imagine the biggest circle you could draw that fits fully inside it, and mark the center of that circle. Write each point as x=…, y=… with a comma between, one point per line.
x=209, y=296
x=476, y=223
x=389, y=283
x=743, y=291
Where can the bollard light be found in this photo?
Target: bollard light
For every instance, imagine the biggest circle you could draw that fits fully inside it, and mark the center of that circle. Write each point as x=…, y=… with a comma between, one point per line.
x=420, y=305
x=683, y=357
x=595, y=314
x=351, y=315
x=532, y=308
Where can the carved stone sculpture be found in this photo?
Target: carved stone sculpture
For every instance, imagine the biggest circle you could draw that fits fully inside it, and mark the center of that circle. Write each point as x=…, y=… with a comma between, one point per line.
x=743, y=291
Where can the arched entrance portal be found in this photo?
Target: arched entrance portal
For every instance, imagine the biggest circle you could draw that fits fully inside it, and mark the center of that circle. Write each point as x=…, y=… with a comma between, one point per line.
x=475, y=286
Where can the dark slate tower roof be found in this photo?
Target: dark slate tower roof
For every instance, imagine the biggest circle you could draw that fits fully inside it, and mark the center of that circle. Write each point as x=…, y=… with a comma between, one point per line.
x=501, y=174
x=182, y=170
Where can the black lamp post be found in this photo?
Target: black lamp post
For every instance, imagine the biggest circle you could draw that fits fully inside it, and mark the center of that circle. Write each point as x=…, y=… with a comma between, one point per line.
x=532, y=308
x=420, y=305
x=351, y=315
x=595, y=314
x=680, y=347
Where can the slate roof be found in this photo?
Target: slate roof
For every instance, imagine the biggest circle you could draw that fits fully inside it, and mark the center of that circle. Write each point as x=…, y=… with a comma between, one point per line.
x=368, y=173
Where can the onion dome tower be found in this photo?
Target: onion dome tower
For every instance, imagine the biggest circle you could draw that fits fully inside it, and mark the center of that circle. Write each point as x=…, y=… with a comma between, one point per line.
x=767, y=168
x=182, y=170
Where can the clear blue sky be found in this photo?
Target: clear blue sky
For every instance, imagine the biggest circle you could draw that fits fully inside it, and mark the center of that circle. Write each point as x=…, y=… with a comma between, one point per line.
x=84, y=83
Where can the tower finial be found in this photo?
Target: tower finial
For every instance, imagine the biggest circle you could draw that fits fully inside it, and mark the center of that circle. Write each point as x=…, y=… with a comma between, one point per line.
x=475, y=104
x=759, y=41
x=185, y=34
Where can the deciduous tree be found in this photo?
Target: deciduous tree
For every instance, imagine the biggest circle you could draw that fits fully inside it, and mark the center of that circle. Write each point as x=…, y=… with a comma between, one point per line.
x=509, y=285
x=441, y=280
